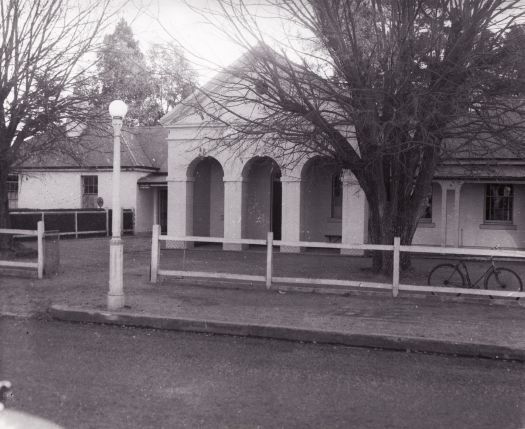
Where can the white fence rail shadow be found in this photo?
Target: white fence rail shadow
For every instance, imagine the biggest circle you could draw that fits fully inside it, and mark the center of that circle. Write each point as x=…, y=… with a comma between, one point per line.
x=39, y=264
x=395, y=286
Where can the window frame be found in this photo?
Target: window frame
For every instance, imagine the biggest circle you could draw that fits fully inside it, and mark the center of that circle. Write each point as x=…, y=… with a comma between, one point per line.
x=428, y=210
x=13, y=180
x=89, y=186
x=491, y=199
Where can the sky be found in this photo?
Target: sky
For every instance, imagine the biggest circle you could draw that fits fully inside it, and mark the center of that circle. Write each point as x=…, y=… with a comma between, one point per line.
x=207, y=48
x=173, y=20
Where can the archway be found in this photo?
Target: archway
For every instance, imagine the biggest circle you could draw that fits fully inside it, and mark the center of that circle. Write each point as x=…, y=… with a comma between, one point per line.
x=321, y=201
x=262, y=198
x=208, y=197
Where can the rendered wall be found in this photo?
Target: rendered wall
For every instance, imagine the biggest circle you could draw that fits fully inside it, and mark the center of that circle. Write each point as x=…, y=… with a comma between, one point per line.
x=208, y=203
x=49, y=190
x=216, y=202
x=63, y=190
x=257, y=201
x=201, y=200
x=316, y=204
x=429, y=233
x=473, y=230
x=144, y=210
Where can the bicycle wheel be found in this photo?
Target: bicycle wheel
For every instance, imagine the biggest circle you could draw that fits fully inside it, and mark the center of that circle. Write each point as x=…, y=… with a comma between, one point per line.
x=446, y=275
x=504, y=279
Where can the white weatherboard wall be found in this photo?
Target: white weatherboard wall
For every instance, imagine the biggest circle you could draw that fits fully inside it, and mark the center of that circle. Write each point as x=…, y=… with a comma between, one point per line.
x=49, y=190
x=46, y=190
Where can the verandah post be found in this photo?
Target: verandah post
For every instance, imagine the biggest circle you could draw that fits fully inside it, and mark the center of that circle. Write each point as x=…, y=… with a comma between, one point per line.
x=395, y=267
x=40, y=248
x=269, y=254
x=155, y=254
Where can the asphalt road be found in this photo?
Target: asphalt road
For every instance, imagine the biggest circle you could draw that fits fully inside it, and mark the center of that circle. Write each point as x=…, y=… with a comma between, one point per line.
x=91, y=376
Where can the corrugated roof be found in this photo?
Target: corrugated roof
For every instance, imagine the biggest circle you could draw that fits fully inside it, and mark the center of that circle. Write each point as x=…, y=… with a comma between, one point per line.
x=141, y=147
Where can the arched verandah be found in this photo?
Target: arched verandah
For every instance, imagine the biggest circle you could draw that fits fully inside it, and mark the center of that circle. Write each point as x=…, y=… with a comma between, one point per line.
x=207, y=205
x=262, y=198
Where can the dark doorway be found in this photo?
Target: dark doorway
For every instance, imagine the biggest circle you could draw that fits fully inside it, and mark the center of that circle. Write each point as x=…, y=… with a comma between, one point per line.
x=163, y=210
x=276, y=208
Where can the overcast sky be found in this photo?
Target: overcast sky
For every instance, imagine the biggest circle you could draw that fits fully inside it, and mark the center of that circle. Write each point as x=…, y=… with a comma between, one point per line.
x=173, y=20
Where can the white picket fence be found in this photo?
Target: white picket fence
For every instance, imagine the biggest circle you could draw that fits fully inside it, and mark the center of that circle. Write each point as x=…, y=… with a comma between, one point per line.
x=39, y=264
x=269, y=278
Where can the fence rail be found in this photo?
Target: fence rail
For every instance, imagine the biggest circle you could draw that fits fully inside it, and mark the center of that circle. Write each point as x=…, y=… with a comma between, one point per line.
x=395, y=286
x=71, y=222
x=39, y=264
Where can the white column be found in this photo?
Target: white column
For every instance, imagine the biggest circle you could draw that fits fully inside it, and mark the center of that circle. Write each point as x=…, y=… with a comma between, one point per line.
x=355, y=214
x=180, y=211
x=233, y=212
x=444, y=189
x=457, y=195
x=155, y=206
x=450, y=234
x=291, y=213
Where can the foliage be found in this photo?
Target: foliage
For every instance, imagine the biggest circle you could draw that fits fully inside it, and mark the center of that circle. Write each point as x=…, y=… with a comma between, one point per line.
x=150, y=85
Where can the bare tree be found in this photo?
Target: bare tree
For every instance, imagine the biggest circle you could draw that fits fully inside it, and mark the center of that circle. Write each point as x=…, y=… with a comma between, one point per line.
x=43, y=48
x=387, y=89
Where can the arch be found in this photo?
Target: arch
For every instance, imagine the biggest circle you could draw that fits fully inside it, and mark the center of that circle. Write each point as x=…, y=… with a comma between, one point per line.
x=207, y=205
x=262, y=198
x=321, y=200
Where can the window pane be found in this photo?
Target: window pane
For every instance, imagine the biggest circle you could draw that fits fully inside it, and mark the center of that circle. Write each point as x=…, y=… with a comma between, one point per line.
x=427, y=212
x=12, y=191
x=90, y=185
x=499, y=201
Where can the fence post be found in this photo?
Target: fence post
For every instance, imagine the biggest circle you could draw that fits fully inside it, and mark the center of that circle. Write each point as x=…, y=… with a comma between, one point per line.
x=269, y=254
x=40, y=248
x=395, y=267
x=155, y=254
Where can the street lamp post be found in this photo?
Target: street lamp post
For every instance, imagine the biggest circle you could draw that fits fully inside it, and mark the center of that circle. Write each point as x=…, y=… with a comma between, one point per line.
x=117, y=110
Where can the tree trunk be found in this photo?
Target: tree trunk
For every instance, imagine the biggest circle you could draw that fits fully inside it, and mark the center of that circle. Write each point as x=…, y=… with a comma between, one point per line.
x=6, y=241
x=383, y=229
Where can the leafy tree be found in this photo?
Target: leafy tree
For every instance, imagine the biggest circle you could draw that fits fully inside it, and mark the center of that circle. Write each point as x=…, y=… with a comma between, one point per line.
x=387, y=89
x=149, y=85
x=122, y=72
x=173, y=78
x=43, y=44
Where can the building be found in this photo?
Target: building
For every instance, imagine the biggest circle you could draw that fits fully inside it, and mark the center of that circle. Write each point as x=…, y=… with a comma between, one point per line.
x=83, y=177
x=244, y=192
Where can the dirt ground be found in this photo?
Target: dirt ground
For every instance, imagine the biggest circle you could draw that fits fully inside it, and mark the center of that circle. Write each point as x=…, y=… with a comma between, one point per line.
x=83, y=271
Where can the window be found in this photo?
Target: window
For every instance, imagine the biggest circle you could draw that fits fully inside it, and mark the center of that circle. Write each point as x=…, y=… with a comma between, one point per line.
x=336, y=210
x=427, y=210
x=89, y=192
x=499, y=201
x=12, y=191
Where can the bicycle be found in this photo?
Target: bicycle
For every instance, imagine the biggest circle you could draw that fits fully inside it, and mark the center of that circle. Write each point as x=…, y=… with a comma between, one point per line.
x=495, y=278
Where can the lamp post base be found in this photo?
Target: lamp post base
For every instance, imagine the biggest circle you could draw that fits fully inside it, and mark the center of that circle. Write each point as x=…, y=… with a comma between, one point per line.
x=115, y=302
x=116, y=282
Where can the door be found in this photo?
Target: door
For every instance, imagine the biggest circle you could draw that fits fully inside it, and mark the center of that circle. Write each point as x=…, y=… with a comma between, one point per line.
x=163, y=210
